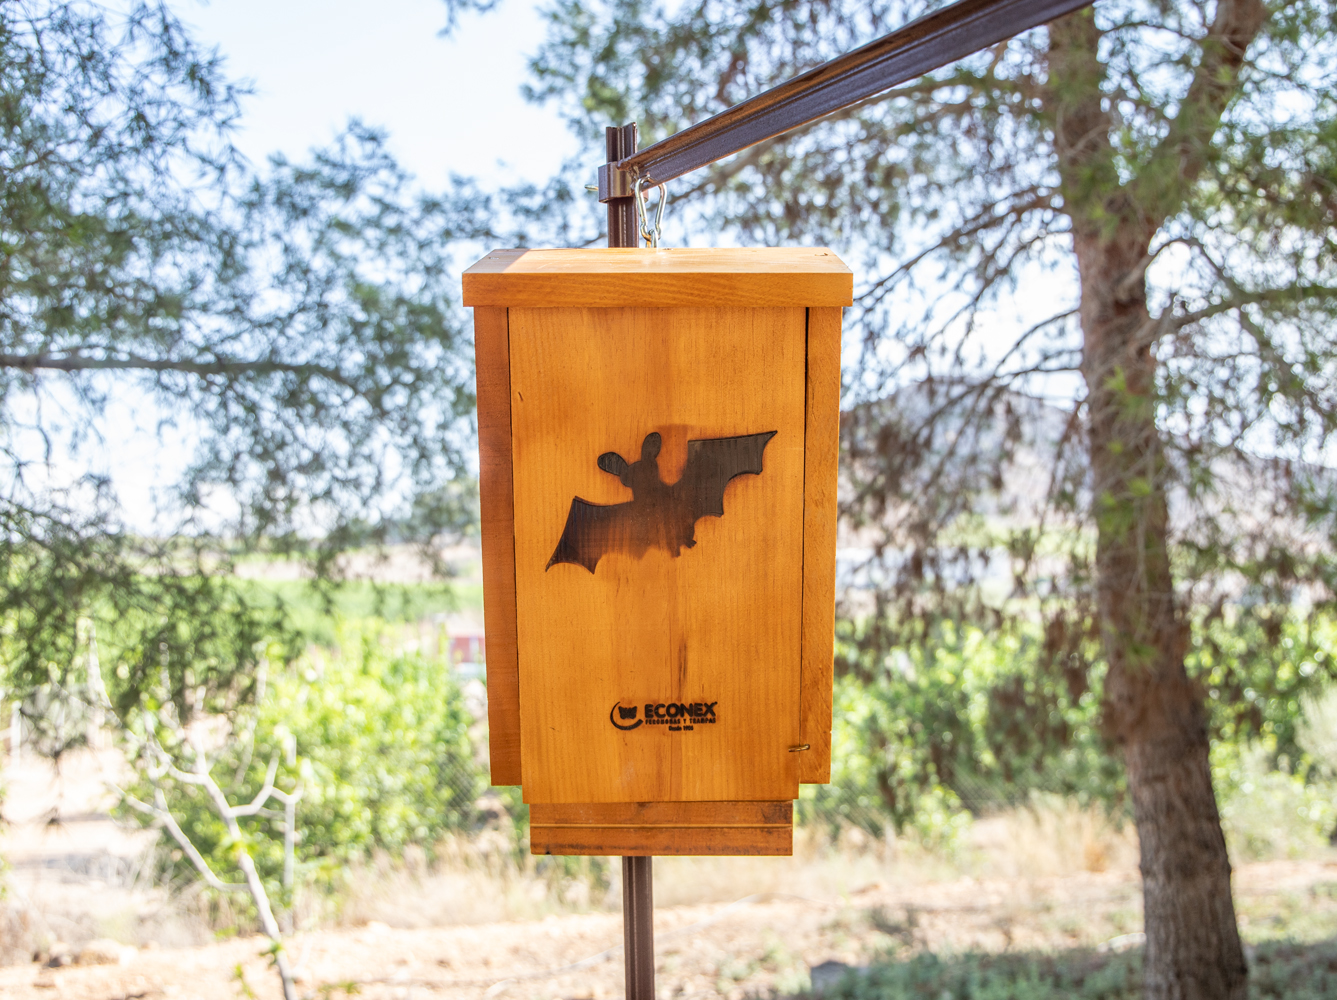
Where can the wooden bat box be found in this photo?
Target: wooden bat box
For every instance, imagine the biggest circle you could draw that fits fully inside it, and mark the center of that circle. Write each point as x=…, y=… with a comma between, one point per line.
x=658, y=435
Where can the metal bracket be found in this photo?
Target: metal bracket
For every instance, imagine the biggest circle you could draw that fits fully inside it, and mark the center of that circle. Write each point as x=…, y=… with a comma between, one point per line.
x=936, y=39
x=615, y=183
x=650, y=235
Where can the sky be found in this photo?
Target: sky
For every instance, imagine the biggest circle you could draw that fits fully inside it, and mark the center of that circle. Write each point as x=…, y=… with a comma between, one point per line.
x=448, y=103
x=312, y=66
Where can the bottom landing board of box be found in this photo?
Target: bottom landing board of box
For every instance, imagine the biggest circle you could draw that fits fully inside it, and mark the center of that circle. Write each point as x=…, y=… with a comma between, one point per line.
x=663, y=828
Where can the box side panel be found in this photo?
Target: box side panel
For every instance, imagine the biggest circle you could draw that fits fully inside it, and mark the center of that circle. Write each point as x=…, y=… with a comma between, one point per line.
x=492, y=365
x=821, y=456
x=663, y=668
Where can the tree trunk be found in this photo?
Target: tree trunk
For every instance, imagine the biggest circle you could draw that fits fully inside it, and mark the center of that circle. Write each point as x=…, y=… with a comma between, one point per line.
x=1152, y=709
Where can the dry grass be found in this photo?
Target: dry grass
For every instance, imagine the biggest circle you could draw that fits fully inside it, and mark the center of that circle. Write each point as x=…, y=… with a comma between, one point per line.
x=757, y=947
x=1052, y=837
x=467, y=920
x=476, y=880
x=58, y=892
x=468, y=881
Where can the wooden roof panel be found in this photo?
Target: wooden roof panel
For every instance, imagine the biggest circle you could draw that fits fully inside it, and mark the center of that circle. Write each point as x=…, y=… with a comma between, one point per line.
x=618, y=277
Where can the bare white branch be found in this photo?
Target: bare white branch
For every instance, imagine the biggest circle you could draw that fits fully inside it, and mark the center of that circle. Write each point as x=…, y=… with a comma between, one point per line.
x=162, y=814
x=262, y=796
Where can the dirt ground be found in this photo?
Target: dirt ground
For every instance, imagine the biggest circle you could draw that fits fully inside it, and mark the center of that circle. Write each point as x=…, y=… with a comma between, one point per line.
x=751, y=946
x=432, y=934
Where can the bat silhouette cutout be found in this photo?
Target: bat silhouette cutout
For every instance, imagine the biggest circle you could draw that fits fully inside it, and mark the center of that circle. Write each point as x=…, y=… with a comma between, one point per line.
x=659, y=515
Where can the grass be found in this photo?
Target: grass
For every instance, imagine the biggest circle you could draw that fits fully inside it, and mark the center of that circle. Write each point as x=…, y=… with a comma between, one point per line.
x=1278, y=969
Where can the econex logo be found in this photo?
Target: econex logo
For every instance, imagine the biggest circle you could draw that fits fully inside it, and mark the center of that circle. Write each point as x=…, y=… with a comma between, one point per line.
x=676, y=715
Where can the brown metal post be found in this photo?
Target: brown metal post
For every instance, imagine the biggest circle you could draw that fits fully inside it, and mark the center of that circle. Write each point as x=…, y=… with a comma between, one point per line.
x=638, y=932
x=638, y=903
x=623, y=229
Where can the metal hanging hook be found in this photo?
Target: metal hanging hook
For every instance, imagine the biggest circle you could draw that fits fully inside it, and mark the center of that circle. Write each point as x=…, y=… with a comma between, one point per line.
x=651, y=236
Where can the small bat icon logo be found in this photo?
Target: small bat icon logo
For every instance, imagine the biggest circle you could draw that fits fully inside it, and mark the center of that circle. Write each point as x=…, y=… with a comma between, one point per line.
x=659, y=515
x=624, y=714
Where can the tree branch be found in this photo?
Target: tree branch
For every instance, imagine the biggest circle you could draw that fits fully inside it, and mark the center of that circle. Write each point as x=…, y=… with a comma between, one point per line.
x=1010, y=208
x=77, y=363
x=1268, y=296
x=1182, y=153
x=261, y=797
x=160, y=812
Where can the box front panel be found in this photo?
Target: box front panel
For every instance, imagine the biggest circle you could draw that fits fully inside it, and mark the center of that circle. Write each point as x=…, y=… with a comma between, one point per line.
x=660, y=641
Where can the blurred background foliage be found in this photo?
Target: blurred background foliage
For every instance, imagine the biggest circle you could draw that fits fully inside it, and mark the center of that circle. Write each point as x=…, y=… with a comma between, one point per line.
x=976, y=721
x=390, y=752
x=377, y=742
x=302, y=320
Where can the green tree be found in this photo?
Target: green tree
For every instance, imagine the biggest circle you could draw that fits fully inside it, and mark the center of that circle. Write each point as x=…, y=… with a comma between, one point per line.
x=292, y=330
x=1093, y=376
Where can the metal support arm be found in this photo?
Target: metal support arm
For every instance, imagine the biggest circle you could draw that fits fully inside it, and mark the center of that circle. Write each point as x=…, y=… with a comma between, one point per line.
x=917, y=48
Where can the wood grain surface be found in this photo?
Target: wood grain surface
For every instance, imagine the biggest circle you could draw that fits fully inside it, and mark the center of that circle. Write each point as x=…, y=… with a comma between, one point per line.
x=616, y=277
x=821, y=457
x=492, y=367
x=720, y=623
x=644, y=828
x=685, y=814
x=663, y=841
